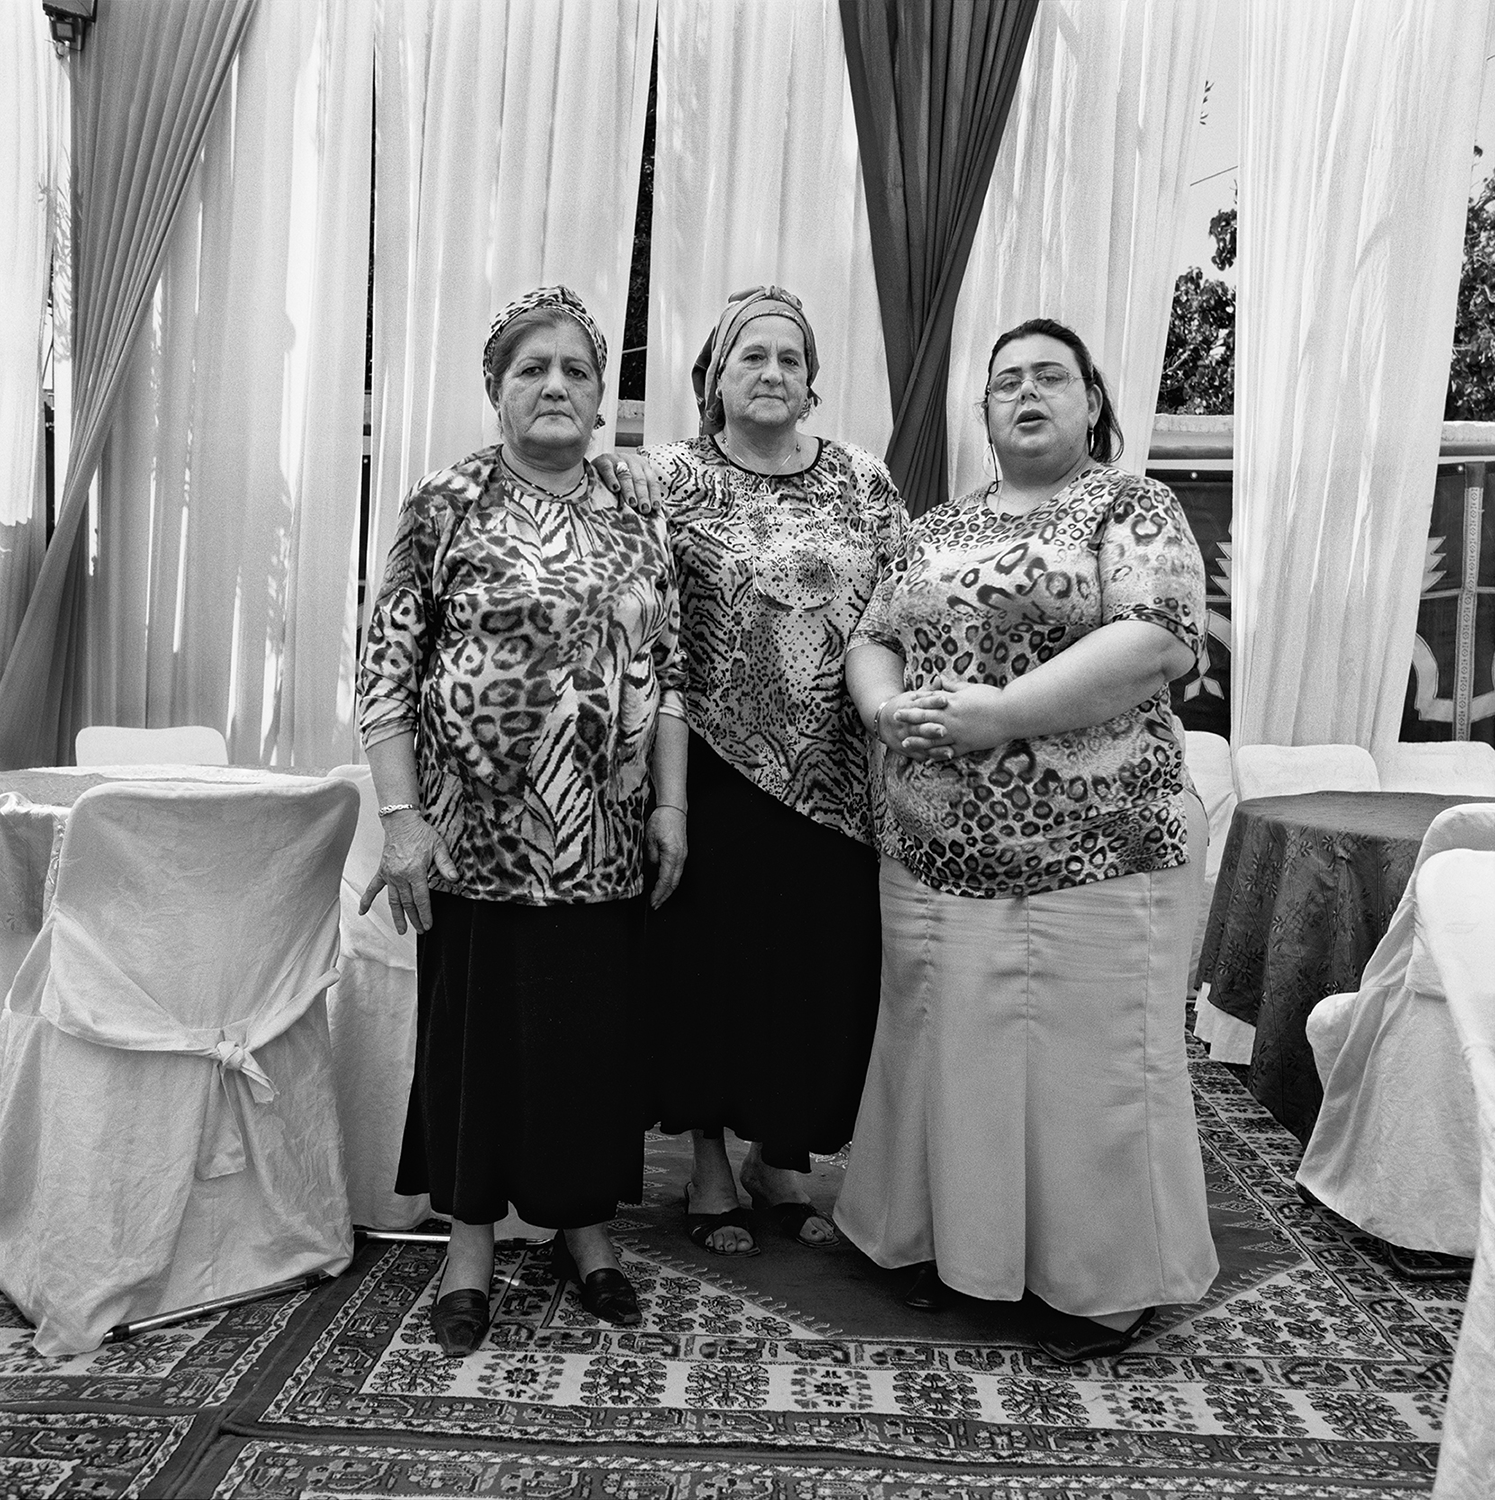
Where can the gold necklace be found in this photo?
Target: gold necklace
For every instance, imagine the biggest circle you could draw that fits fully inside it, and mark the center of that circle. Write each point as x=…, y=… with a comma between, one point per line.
x=534, y=484
x=774, y=473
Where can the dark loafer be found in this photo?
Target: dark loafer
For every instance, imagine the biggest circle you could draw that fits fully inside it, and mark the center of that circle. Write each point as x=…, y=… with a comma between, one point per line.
x=605, y=1293
x=1072, y=1340
x=460, y=1322
x=926, y=1292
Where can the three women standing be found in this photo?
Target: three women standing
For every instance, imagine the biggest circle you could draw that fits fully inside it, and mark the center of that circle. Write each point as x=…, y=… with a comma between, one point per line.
x=764, y=968
x=517, y=685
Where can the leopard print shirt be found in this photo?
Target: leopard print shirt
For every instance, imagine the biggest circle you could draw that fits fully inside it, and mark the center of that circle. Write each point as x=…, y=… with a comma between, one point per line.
x=986, y=598
x=527, y=641
x=774, y=573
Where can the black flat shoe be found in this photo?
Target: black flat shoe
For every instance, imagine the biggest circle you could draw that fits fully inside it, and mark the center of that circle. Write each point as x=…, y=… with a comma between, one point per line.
x=1072, y=1340
x=460, y=1322
x=926, y=1292
x=606, y=1293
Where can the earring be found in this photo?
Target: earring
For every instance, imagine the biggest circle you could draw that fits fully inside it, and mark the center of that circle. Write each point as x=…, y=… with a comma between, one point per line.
x=599, y=421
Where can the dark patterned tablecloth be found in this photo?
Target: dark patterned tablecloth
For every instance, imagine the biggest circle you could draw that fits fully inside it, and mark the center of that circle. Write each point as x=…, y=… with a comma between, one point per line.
x=1307, y=888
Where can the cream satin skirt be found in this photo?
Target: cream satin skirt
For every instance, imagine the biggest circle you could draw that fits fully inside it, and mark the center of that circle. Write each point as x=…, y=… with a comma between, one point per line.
x=1027, y=1118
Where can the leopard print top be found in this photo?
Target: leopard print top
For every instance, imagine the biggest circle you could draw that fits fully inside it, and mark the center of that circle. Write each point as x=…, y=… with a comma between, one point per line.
x=986, y=598
x=774, y=573
x=527, y=640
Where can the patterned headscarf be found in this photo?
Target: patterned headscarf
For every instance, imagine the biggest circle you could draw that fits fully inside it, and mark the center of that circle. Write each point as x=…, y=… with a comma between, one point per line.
x=547, y=296
x=741, y=309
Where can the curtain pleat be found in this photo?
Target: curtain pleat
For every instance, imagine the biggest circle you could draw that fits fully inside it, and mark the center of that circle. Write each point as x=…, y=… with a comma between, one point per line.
x=144, y=88
x=509, y=138
x=1081, y=217
x=30, y=128
x=780, y=203
x=931, y=84
x=225, y=590
x=1357, y=128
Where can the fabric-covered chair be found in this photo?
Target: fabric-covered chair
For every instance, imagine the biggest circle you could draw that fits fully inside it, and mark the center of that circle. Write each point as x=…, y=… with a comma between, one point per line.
x=1395, y=1148
x=1456, y=897
x=1285, y=770
x=168, y=1130
x=1453, y=768
x=183, y=745
x=1207, y=757
x=371, y=1013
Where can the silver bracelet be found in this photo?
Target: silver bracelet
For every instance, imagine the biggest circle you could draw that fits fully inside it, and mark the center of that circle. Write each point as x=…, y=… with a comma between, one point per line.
x=394, y=807
x=673, y=807
x=877, y=717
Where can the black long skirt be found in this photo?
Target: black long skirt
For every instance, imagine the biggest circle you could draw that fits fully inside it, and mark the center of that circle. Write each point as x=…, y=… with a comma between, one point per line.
x=526, y=1086
x=761, y=998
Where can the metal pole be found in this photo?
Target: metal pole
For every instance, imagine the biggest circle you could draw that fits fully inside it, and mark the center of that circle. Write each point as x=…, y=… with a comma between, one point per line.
x=401, y=1236
x=122, y=1331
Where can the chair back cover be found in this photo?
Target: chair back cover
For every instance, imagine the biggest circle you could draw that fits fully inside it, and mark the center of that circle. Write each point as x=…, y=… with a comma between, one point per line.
x=1285, y=770
x=1207, y=757
x=183, y=745
x=1452, y=768
x=371, y=1012
x=168, y=1132
x=1456, y=890
x=1395, y=1146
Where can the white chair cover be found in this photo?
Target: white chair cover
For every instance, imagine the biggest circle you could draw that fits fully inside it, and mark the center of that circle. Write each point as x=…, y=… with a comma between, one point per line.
x=1285, y=770
x=168, y=1132
x=1454, y=768
x=182, y=745
x=1395, y=1148
x=1456, y=894
x=371, y=1013
x=1207, y=757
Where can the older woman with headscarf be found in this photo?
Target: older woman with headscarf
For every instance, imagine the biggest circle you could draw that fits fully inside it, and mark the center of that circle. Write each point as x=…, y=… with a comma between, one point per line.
x=764, y=968
x=520, y=653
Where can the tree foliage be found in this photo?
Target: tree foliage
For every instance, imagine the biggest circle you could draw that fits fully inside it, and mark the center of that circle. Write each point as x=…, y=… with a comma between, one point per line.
x=1199, y=359
x=1471, y=375
x=1199, y=362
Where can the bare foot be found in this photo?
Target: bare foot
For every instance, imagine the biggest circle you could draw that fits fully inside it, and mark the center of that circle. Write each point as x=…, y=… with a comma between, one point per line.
x=713, y=1190
x=774, y=1185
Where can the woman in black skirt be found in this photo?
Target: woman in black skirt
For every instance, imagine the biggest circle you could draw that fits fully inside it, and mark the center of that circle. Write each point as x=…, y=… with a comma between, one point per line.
x=762, y=998
x=520, y=713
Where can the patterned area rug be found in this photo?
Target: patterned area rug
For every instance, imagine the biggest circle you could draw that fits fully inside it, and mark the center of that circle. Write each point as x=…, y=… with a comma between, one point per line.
x=1311, y=1363
x=43, y=1454
x=264, y=1470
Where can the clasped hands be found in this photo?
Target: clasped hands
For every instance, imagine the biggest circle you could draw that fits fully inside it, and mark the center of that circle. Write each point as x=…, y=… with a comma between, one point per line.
x=940, y=722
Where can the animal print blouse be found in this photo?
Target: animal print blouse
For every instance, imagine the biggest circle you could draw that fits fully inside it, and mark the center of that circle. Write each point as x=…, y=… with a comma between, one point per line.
x=774, y=573
x=527, y=640
x=986, y=598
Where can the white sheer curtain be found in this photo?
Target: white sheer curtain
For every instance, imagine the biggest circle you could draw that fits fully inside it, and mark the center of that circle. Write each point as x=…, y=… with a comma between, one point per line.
x=510, y=133
x=1081, y=217
x=30, y=130
x=756, y=180
x=225, y=589
x=1357, y=125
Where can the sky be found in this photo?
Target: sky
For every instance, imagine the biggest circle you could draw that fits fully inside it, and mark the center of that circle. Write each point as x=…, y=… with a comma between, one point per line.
x=1217, y=149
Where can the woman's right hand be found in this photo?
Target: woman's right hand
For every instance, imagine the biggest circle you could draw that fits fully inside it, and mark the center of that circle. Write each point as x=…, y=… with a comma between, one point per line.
x=896, y=731
x=411, y=847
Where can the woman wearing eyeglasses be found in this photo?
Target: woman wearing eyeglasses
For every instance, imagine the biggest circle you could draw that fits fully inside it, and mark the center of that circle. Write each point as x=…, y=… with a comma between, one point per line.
x=1027, y=1129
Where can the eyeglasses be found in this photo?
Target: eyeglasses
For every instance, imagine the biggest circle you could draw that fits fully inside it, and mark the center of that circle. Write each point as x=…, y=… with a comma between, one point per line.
x=1048, y=380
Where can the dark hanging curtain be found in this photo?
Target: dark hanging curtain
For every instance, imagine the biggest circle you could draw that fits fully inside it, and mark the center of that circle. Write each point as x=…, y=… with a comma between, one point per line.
x=931, y=84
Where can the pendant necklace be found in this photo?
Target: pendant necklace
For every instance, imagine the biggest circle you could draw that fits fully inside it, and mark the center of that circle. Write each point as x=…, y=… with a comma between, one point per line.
x=777, y=472
x=565, y=494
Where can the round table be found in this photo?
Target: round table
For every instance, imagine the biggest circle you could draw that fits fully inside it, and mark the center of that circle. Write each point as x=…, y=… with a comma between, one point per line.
x=1307, y=888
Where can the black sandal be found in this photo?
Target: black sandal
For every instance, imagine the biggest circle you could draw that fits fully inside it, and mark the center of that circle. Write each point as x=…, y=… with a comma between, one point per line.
x=791, y=1217
x=700, y=1227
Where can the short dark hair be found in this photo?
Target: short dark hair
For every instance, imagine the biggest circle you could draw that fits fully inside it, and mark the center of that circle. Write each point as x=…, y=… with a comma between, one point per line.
x=499, y=354
x=1106, y=441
